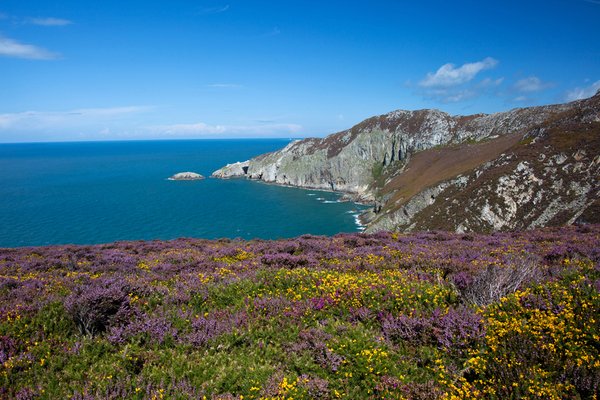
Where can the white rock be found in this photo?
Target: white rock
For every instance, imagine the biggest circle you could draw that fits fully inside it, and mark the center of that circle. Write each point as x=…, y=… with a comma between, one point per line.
x=232, y=170
x=186, y=176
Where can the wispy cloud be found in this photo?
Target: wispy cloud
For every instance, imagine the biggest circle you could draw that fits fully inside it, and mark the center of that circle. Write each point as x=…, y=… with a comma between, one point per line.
x=48, y=21
x=488, y=82
x=452, y=84
x=580, y=93
x=44, y=120
x=40, y=21
x=214, y=10
x=224, y=85
x=531, y=84
x=449, y=75
x=202, y=129
x=12, y=48
x=592, y=1
x=461, y=95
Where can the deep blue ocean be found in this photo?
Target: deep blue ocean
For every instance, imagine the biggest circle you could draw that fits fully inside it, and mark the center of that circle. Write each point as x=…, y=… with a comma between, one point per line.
x=99, y=192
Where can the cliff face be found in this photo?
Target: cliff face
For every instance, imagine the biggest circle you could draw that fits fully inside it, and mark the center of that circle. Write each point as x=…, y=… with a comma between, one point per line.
x=428, y=170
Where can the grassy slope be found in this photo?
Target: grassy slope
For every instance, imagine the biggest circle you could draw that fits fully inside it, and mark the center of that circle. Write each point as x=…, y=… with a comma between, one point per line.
x=430, y=167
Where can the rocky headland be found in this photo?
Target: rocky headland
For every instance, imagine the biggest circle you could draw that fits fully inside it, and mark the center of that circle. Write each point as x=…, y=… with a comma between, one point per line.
x=426, y=169
x=234, y=170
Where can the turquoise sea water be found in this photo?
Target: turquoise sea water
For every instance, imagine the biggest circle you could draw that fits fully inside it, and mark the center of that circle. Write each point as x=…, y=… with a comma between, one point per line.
x=85, y=193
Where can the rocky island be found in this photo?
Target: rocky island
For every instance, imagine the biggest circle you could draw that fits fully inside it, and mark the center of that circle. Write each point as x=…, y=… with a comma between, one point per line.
x=426, y=170
x=186, y=176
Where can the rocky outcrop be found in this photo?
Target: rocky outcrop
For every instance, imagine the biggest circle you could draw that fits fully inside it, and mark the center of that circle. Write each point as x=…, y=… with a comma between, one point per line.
x=428, y=170
x=186, y=176
x=234, y=170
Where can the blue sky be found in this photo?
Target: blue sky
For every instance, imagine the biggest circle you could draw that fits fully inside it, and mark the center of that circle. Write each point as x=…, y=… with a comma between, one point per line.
x=106, y=70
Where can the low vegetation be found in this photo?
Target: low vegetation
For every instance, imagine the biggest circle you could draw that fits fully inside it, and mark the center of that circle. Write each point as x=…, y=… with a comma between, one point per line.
x=433, y=166
x=423, y=316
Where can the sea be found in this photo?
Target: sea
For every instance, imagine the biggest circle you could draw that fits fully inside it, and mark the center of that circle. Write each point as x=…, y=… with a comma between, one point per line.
x=100, y=192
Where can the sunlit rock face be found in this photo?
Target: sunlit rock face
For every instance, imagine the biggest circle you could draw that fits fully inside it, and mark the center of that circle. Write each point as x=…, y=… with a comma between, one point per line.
x=234, y=170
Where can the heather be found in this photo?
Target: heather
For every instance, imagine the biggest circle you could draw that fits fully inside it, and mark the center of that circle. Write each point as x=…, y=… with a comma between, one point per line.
x=420, y=316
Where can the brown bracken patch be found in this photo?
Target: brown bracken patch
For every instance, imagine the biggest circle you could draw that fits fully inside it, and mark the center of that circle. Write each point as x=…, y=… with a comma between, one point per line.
x=433, y=166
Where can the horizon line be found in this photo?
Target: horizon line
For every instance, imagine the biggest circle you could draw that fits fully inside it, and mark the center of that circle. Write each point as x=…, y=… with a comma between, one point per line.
x=155, y=140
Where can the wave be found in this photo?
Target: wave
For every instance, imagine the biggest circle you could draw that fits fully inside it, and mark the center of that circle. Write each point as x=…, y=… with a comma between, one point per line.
x=360, y=226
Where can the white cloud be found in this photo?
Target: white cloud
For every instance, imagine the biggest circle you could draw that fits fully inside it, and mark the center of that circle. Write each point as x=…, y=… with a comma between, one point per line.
x=582, y=93
x=202, y=129
x=531, y=84
x=44, y=120
x=121, y=123
x=41, y=21
x=449, y=75
x=47, y=21
x=12, y=48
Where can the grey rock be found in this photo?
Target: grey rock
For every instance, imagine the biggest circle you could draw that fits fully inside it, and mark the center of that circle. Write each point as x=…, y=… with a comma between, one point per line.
x=235, y=170
x=186, y=176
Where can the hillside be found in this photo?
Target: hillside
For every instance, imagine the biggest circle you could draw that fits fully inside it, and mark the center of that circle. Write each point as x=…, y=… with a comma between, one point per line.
x=425, y=169
x=354, y=316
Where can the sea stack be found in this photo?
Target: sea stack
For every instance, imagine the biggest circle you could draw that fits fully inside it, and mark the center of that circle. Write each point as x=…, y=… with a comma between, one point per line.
x=186, y=176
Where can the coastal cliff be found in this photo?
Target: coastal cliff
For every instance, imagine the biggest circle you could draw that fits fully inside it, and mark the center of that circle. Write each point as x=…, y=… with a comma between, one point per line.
x=426, y=169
